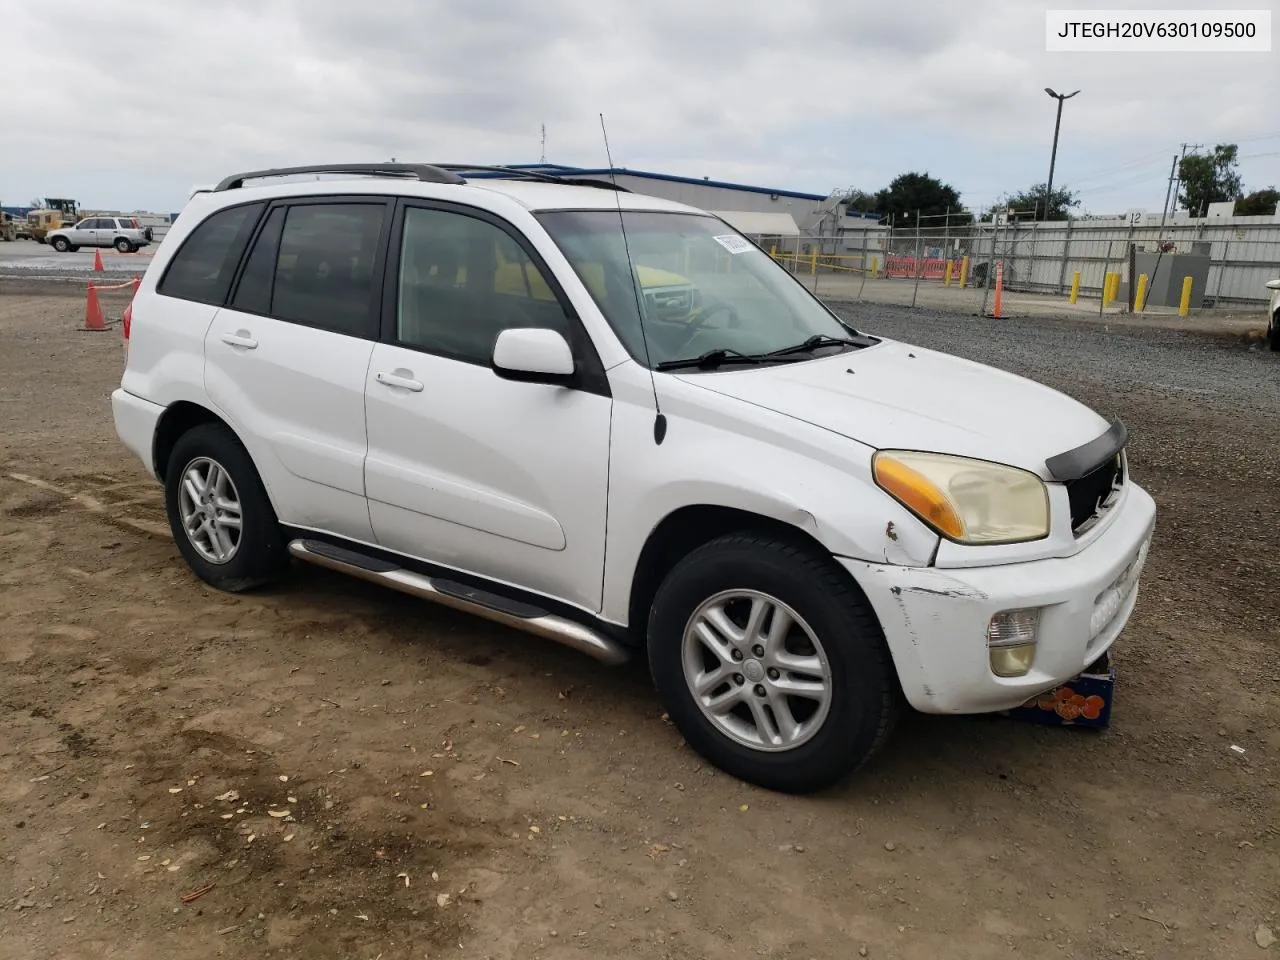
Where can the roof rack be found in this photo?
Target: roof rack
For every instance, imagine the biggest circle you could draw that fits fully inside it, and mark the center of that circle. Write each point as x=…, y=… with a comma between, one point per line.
x=426, y=172
x=501, y=172
x=420, y=171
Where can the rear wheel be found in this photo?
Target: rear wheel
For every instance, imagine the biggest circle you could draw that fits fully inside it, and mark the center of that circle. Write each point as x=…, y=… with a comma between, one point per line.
x=123, y=245
x=771, y=663
x=1273, y=332
x=219, y=512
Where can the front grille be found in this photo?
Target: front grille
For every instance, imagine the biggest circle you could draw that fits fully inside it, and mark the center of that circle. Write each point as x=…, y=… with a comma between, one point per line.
x=1094, y=493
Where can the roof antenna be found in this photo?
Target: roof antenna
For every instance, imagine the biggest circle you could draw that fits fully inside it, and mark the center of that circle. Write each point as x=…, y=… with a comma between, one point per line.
x=659, y=421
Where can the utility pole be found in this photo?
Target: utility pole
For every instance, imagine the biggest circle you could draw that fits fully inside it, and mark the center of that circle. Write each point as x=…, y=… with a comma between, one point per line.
x=1053, y=157
x=1192, y=146
x=1173, y=172
x=544, y=144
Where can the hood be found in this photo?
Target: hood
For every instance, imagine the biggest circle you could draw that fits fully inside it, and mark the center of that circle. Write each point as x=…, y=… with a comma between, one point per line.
x=894, y=395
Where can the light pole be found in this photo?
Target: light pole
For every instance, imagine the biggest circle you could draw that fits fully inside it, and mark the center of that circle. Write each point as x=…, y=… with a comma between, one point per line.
x=1053, y=157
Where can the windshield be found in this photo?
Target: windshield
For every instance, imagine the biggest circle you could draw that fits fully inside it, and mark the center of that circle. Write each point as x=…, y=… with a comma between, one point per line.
x=703, y=286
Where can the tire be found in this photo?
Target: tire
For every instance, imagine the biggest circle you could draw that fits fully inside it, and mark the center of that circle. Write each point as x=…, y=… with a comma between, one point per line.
x=864, y=697
x=123, y=245
x=256, y=554
x=61, y=244
x=1273, y=332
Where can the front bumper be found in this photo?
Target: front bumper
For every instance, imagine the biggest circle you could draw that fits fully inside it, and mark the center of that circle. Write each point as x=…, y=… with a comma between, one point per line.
x=935, y=620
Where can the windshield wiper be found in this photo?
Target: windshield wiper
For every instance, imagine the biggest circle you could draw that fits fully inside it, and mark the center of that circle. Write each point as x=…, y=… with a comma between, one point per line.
x=711, y=359
x=816, y=341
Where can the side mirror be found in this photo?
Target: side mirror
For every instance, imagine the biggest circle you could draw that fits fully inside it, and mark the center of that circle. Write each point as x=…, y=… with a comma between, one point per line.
x=1273, y=284
x=533, y=355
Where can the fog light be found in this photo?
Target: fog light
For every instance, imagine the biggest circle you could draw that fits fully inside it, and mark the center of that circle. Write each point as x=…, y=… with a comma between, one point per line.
x=1011, y=641
x=1012, y=661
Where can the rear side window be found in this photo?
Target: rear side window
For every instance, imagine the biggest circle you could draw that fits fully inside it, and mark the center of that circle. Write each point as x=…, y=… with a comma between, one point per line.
x=325, y=269
x=202, y=268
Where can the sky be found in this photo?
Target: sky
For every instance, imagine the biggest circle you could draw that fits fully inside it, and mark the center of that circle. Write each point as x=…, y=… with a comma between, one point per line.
x=126, y=104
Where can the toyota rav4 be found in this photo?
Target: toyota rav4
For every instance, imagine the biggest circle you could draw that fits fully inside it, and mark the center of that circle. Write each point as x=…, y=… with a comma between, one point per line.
x=612, y=421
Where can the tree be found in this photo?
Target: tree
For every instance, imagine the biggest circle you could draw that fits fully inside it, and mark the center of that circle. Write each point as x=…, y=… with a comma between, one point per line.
x=908, y=193
x=1030, y=203
x=859, y=201
x=1260, y=203
x=1208, y=179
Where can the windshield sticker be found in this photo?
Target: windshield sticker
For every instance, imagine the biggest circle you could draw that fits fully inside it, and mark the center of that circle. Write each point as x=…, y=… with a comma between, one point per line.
x=733, y=243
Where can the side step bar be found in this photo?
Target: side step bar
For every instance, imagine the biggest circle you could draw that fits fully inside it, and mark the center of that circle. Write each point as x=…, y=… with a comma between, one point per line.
x=511, y=613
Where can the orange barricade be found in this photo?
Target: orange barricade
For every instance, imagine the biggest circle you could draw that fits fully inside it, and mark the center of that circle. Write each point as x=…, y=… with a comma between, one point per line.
x=909, y=267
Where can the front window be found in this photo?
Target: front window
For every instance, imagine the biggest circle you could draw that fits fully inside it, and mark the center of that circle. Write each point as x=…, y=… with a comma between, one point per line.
x=702, y=286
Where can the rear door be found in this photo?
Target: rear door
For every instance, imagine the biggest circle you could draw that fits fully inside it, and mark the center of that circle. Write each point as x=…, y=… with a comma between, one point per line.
x=285, y=360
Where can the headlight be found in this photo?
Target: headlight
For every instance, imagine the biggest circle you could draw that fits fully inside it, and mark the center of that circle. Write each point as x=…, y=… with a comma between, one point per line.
x=970, y=501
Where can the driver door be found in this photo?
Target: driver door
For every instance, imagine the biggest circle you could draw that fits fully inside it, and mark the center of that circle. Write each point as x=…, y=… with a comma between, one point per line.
x=495, y=477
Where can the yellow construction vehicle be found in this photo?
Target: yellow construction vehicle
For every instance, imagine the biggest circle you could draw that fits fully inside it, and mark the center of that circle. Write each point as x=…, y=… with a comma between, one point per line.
x=56, y=213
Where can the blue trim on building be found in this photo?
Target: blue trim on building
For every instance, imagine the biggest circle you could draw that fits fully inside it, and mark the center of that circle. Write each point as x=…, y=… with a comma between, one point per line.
x=555, y=168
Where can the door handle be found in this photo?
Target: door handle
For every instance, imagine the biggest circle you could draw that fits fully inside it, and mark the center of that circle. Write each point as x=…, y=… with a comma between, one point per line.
x=240, y=338
x=396, y=380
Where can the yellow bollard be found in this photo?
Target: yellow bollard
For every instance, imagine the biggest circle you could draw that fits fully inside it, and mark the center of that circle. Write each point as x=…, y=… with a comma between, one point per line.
x=773, y=251
x=1075, y=286
x=1184, y=306
x=813, y=263
x=964, y=271
x=1108, y=288
x=875, y=266
x=1140, y=297
x=946, y=280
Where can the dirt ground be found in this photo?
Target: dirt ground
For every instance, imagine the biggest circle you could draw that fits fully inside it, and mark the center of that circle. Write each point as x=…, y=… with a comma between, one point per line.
x=331, y=770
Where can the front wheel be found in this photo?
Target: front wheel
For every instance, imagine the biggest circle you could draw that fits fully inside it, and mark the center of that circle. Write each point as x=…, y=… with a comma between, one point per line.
x=771, y=663
x=61, y=244
x=219, y=511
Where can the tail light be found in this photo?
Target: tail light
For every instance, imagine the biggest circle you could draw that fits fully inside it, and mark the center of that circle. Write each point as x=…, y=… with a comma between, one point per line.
x=126, y=323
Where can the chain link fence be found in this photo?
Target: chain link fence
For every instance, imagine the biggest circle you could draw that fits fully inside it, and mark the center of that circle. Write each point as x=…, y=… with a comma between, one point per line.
x=1076, y=265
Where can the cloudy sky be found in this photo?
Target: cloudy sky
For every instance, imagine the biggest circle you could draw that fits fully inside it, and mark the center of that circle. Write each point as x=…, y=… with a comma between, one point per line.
x=127, y=103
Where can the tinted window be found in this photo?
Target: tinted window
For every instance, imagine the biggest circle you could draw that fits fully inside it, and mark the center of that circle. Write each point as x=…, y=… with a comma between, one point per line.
x=324, y=273
x=463, y=281
x=253, y=293
x=202, y=269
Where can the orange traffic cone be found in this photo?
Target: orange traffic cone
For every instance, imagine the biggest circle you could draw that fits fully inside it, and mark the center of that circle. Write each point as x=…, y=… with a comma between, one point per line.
x=93, y=318
x=97, y=260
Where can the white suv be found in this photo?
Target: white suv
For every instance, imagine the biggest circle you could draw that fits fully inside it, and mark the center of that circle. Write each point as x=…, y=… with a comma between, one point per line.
x=126, y=234
x=447, y=380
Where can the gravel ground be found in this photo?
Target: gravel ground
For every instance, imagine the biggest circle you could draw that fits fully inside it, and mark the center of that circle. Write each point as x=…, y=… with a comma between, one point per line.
x=327, y=769
x=1158, y=364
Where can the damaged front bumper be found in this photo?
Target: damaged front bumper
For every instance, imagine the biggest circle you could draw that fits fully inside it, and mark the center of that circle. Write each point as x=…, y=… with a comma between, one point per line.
x=936, y=621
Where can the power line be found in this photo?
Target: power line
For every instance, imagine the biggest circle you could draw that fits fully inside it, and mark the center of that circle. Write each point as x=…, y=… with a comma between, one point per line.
x=1101, y=172
x=1261, y=136
x=1119, y=185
